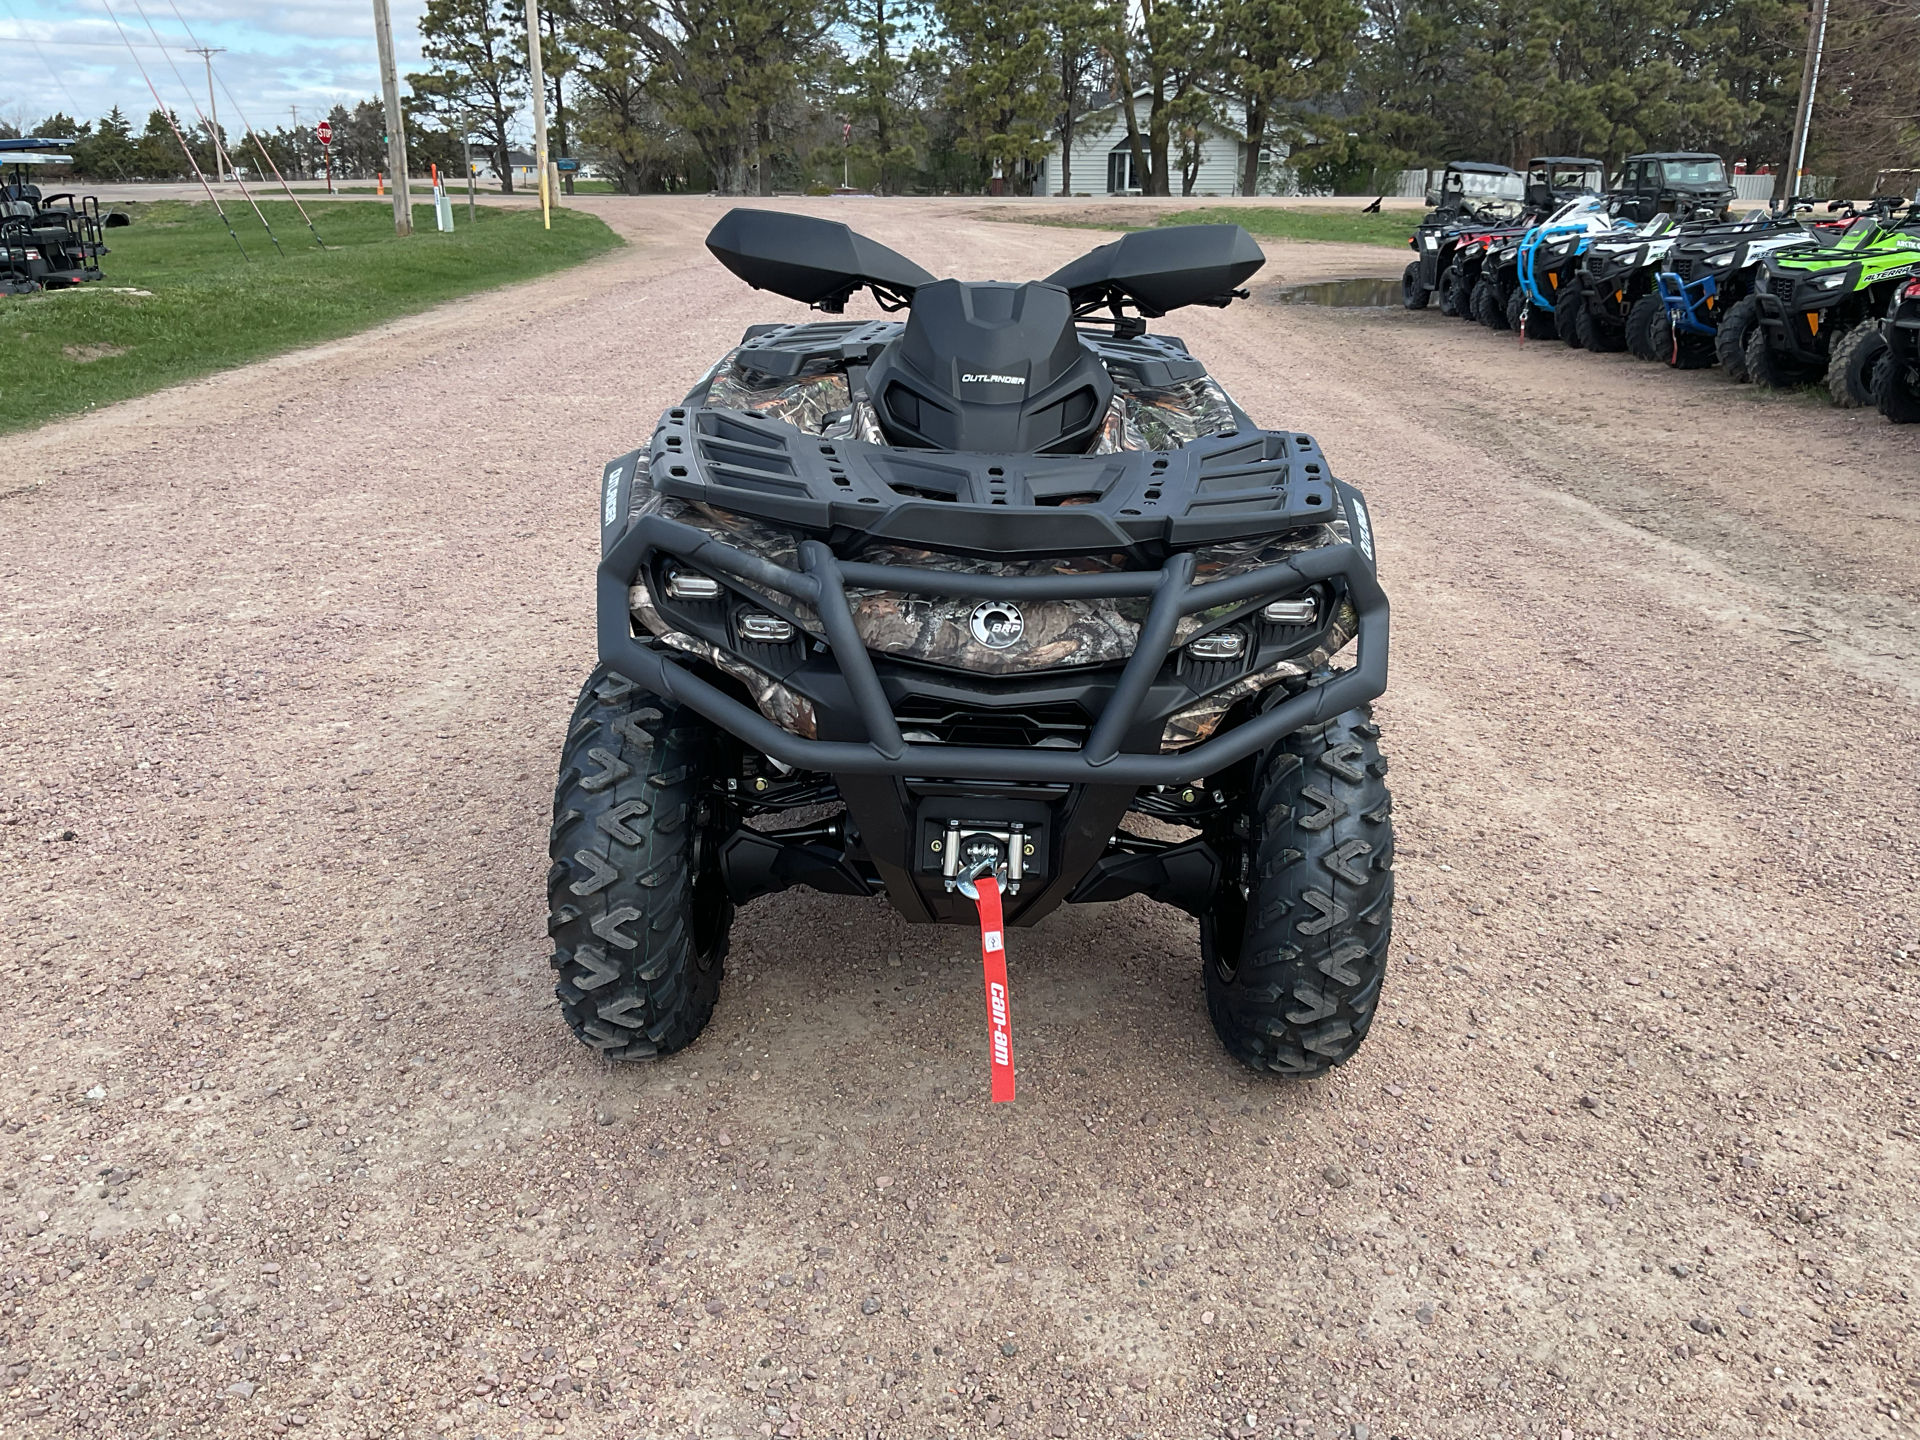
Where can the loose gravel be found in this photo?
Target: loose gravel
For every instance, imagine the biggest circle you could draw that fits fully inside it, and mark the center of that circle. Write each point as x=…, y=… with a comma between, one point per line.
x=292, y=1138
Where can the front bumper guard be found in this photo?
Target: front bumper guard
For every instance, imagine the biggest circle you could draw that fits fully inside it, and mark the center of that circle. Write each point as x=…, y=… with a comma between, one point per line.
x=1172, y=593
x=1686, y=299
x=1791, y=327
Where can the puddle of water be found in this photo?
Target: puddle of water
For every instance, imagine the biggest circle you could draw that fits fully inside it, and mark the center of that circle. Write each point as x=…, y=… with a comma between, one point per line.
x=1361, y=294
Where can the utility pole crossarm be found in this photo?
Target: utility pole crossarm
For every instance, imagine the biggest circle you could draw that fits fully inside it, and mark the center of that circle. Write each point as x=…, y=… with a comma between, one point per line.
x=207, y=52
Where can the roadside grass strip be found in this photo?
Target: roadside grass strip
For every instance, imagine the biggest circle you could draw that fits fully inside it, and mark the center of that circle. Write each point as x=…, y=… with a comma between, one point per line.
x=178, y=301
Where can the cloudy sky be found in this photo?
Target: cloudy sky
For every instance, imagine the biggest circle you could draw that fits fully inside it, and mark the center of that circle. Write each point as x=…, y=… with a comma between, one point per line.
x=305, y=53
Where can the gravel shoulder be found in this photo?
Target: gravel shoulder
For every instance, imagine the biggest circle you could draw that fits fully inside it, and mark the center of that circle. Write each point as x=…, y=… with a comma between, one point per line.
x=292, y=1137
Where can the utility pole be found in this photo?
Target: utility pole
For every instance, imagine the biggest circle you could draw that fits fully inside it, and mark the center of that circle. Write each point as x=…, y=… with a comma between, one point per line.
x=537, y=84
x=396, y=122
x=1809, y=82
x=207, y=52
x=559, y=103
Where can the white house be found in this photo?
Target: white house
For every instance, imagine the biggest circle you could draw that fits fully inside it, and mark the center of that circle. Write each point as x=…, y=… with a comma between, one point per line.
x=1103, y=159
x=526, y=175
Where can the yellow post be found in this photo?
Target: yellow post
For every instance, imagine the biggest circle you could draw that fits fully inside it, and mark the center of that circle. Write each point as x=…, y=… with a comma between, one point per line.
x=537, y=83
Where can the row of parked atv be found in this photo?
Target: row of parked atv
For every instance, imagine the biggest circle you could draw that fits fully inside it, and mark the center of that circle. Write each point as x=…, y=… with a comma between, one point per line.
x=1655, y=265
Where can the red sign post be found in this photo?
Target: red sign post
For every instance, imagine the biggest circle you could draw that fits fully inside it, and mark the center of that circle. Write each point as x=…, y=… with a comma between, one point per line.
x=325, y=132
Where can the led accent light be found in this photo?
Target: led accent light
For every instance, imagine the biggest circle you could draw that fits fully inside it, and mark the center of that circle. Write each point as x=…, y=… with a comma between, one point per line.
x=1301, y=611
x=689, y=585
x=1223, y=645
x=764, y=629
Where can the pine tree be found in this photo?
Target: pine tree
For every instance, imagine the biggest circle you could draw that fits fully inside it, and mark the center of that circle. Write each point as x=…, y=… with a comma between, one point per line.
x=1084, y=32
x=1282, y=53
x=108, y=152
x=479, y=75
x=1169, y=51
x=874, y=75
x=157, y=154
x=999, y=83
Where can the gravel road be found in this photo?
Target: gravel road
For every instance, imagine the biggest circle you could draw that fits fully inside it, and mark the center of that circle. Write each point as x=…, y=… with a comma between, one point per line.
x=292, y=1137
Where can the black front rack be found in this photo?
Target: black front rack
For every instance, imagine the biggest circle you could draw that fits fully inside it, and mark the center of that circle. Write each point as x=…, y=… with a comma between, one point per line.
x=1171, y=590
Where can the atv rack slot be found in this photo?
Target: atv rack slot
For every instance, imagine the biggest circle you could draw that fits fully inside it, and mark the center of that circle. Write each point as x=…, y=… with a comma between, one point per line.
x=822, y=584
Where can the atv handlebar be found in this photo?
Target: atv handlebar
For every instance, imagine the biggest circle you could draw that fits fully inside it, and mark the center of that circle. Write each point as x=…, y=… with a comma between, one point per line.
x=822, y=584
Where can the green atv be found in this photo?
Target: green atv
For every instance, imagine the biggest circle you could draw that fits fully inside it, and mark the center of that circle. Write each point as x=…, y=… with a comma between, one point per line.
x=1820, y=308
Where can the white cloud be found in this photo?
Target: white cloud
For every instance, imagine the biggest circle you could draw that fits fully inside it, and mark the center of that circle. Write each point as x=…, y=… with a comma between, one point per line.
x=311, y=54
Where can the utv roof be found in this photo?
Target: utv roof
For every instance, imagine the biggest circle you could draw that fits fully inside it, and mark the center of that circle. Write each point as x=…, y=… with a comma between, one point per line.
x=1562, y=160
x=33, y=143
x=1676, y=155
x=1480, y=167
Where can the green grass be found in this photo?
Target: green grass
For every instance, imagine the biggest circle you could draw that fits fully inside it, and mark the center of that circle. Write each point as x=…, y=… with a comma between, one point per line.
x=63, y=351
x=1276, y=222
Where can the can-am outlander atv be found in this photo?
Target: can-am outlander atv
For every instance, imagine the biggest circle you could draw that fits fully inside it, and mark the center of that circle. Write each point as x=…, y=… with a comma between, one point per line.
x=890, y=606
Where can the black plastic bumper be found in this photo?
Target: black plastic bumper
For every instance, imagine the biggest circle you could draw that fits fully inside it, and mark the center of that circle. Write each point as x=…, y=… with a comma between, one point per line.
x=1789, y=328
x=1100, y=761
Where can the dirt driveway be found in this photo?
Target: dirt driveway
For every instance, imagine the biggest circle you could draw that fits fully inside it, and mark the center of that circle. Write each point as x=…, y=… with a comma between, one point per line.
x=293, y=1135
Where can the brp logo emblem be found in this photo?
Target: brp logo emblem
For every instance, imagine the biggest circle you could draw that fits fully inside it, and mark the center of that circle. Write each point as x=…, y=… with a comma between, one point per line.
x=997, y=625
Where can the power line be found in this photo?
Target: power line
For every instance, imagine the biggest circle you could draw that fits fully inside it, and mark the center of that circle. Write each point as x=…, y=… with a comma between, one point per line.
x=89, y=44
x=213, y=131
x=167, y=115
x=254, y=134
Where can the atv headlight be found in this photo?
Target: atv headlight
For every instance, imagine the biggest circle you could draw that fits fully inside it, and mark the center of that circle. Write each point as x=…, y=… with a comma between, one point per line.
x=1720, y=261
x=1830, y=282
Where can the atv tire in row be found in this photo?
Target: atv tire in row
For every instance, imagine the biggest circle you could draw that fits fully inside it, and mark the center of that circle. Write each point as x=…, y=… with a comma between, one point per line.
x=1293, y=975
x=1485, y=307
x=1897, y=392
x=1413, y=295
x=1855, y=366
x=1538, y=323
x=1682, y=352
x=1598, y=336
x=1769, y=368
x=1730, y=339
x=1640, y=318
x=1567, y=310
x=635, y=906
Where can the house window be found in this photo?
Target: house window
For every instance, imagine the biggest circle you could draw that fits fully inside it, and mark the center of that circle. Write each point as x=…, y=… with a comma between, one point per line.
x=1121, y=174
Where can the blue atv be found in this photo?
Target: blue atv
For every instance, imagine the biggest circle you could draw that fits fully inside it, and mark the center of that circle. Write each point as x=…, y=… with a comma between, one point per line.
x=1702, y=308
x=1544, y=299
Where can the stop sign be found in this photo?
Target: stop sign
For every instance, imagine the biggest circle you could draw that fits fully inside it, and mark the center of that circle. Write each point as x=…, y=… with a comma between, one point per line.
x=325, y=131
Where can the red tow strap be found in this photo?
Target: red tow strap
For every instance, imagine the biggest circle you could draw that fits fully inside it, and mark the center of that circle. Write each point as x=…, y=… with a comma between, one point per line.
x=993, y=959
